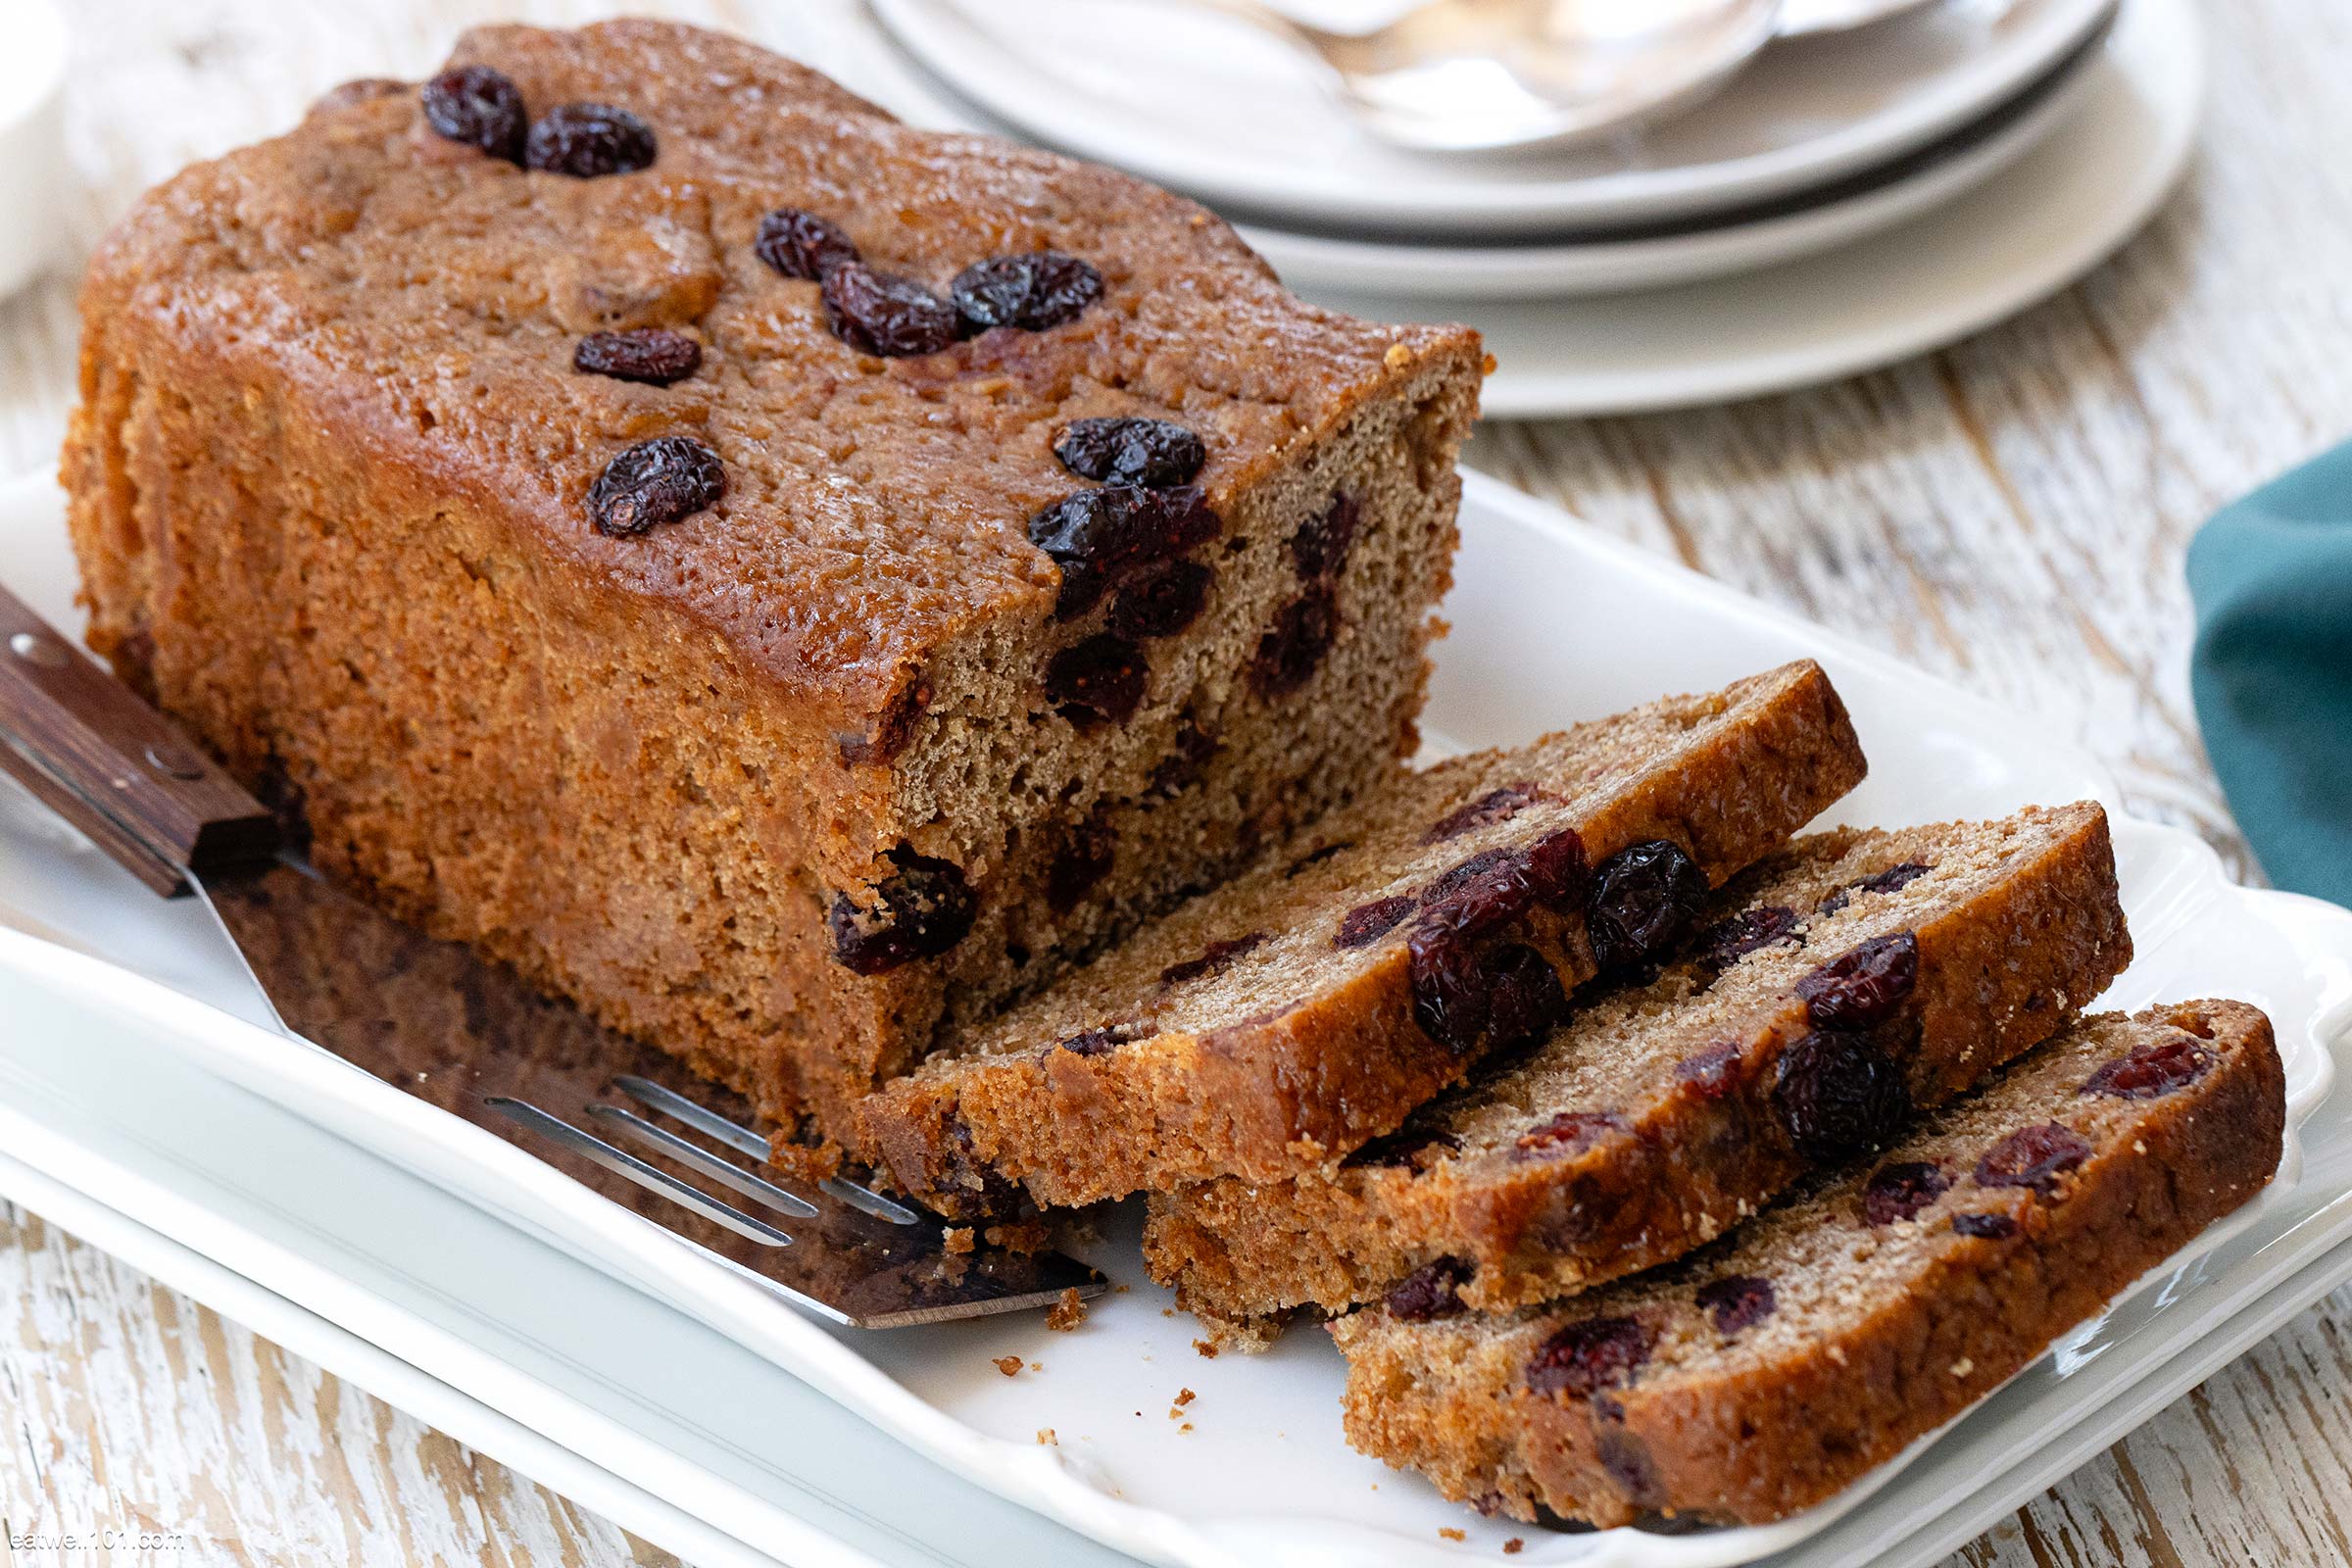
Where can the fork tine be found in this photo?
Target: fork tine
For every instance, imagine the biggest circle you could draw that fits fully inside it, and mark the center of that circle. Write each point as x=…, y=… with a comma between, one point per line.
x=710, y=1124
x=873, y=1202
x=703, y=1162
x=624, y=1164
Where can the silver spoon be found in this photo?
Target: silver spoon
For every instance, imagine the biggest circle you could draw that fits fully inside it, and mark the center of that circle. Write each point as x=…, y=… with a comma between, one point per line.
x=1493, y=75
x=1801, y=18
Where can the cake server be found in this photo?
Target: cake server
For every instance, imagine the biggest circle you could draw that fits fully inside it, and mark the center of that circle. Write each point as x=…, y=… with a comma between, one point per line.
x=468, y=1036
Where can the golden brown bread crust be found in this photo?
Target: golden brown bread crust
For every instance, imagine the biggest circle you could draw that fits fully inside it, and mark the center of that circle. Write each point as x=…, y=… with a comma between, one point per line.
x=1322, y=1051
x=327, y=484
x=2003, y=960
x=302, y=255
x=1877, y=1333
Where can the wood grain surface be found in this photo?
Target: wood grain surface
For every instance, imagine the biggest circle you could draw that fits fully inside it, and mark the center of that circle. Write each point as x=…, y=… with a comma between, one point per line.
x=2010, y=514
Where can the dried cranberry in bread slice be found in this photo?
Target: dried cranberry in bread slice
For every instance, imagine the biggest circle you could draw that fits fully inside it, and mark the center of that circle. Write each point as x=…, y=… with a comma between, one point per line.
x=1282, y=1020
x=1829, y=992
x=1765, y=1373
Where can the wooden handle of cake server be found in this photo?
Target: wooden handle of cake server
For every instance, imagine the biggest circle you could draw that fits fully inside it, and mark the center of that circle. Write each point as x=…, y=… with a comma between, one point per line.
x=114, y=768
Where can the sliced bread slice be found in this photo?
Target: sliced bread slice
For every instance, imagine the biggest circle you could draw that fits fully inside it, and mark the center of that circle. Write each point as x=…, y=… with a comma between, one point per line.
x=1363, y=966
x=1834, y=988
x=1767, y=1372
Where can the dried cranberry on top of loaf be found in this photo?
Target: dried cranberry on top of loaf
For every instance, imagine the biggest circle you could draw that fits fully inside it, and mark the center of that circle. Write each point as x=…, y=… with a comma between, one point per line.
x=788, y=580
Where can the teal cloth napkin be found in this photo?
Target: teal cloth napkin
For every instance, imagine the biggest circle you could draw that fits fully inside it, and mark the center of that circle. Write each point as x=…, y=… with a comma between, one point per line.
x=2272, y=671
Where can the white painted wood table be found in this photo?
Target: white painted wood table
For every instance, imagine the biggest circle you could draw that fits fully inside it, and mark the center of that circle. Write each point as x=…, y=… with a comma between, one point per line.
x=2010, y=514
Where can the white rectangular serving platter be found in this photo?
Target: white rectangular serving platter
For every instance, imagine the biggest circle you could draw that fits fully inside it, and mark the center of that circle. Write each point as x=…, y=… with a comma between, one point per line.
x=704, y=1392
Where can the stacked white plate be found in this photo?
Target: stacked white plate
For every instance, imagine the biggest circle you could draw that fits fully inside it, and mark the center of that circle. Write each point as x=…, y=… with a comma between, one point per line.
x=1847, y=200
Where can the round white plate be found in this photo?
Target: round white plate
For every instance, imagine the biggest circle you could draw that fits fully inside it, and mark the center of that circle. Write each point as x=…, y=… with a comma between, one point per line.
x=2023, y=235
x=1918, y=183
x=1213, y=107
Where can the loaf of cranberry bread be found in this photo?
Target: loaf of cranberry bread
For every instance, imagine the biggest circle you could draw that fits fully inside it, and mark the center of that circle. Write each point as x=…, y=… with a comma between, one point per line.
x=788, y=580
x=1769, y=1370
x=1837, y=986
x=1366, y=962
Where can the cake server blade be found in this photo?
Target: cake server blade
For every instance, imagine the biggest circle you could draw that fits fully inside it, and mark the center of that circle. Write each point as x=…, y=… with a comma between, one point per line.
x=471, y=1037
